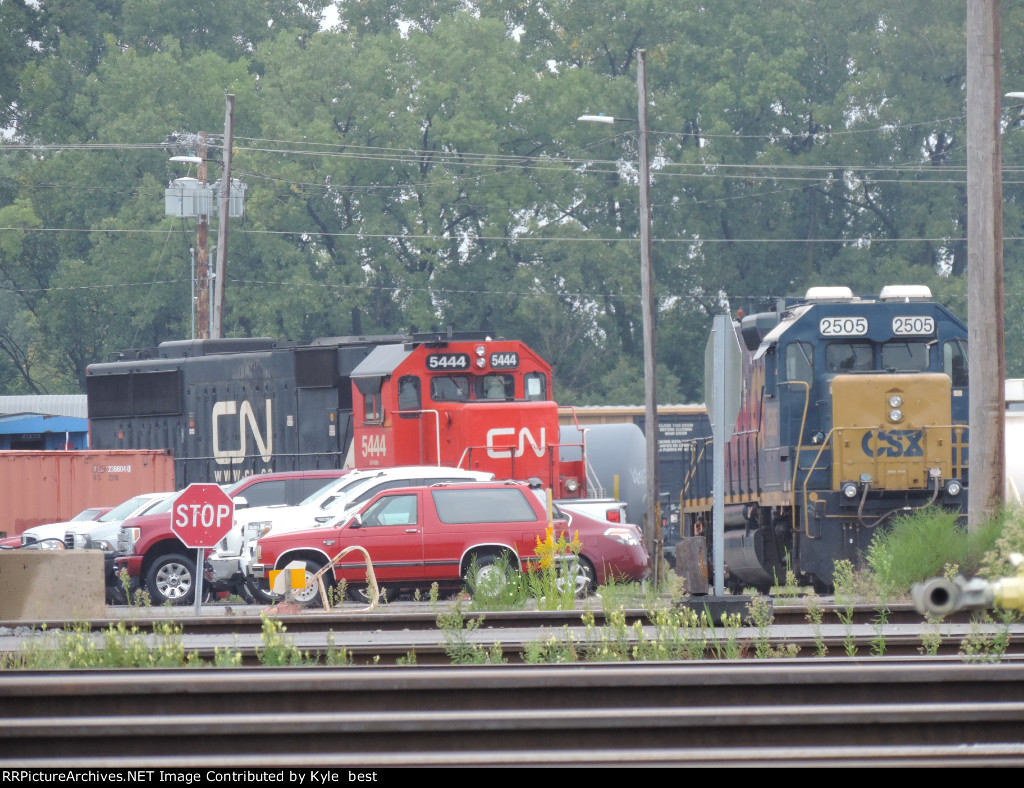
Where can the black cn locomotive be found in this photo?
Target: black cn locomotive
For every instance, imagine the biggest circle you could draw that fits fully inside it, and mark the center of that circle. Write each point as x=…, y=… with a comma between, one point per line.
x=852, y=410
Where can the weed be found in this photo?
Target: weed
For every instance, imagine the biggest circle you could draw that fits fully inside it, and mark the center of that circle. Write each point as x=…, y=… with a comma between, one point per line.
x=554, y=650
x=408, y=660
x=458, y=646
x=551, y=579
x=732, y=648
x=931, y=638
x=919, y=545
x=878, y=624
x=502, y=588
x=984, y=643
x=815, y=613
x=227, y=657
x=760, y=610
x=278, y=649
x=843, y=578
x=336, y=656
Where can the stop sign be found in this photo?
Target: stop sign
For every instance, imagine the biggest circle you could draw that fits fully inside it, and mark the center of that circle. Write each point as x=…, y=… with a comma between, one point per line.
x=202, y=515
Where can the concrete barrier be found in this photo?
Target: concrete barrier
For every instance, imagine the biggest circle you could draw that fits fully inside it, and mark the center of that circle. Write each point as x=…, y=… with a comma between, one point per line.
x=45, y=585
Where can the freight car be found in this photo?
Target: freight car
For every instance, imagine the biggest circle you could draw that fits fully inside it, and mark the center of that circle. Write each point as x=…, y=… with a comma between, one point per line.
x=680, y=427
x=852, y=410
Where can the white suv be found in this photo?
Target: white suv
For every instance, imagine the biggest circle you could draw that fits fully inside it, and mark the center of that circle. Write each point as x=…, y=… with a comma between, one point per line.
x=325, y=506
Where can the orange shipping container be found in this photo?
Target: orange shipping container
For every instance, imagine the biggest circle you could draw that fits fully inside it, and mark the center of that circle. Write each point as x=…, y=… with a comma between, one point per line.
x=38, y=487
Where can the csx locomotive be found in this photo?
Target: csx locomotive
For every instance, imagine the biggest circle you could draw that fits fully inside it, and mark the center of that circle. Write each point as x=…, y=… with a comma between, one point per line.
x=853, y=410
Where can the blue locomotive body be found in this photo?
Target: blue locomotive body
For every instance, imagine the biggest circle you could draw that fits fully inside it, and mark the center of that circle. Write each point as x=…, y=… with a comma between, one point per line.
x=852, y=410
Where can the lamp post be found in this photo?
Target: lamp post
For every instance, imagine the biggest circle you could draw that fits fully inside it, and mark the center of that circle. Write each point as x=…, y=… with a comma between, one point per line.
x=652, y=514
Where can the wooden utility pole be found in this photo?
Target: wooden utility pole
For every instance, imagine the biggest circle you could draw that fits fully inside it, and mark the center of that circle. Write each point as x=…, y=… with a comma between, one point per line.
x=202, y=254
x=222, y=228
x=652, y=529
x=985, y=263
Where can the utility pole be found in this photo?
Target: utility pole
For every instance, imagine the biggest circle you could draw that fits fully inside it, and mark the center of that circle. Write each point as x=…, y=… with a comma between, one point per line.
x=652, y=531
x=985, y=263
x=202, y=254
x=217, y=330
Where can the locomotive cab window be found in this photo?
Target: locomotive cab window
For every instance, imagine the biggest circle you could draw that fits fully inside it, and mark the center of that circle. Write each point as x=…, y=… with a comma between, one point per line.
x=904, y=356
x=800, y=361
x=409, y=393
x=449, y=388
x=495, y=387
x=535, y=386
x=373, y=410
x=954, y=362
x=849, y=357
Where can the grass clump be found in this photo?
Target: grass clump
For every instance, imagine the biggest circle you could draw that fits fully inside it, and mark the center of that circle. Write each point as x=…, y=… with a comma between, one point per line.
x=921, y=544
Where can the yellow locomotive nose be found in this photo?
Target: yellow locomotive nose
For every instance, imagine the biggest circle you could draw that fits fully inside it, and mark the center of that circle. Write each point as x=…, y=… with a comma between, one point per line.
x=892, y=430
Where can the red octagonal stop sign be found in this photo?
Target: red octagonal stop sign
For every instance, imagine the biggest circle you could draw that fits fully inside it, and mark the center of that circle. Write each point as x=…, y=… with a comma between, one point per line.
x=202, y=515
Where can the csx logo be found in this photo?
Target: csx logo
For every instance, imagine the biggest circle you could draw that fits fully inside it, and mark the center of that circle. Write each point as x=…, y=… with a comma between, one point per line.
x=893, y=443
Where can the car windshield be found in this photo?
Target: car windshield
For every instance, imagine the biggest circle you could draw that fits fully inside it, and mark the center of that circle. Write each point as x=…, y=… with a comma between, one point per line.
x=234, y=485
x=164, y=506
x=331, y=485
x=88, y=514
x=121, y=511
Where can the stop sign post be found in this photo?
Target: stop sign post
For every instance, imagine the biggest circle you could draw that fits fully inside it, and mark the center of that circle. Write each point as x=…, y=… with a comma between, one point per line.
x=202, y=515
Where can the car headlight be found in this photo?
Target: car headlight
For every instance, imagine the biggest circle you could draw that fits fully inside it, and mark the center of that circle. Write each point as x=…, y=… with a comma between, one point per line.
x=104, y=545
x=81, y=541
x=259, y=529
x=626, y=536
x=126, y=540
x=50, y=544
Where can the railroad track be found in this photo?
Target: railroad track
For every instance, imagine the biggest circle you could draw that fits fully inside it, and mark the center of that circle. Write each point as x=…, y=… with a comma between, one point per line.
x=777, y=712
x=401, y=633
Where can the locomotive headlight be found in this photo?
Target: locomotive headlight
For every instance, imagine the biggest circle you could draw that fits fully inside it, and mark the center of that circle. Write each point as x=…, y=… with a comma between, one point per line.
x=572, y=485
x=849, y=490
x=896, y=415
x=895, y=401
x=953, y=487
x=480, y=350
x=481, y=363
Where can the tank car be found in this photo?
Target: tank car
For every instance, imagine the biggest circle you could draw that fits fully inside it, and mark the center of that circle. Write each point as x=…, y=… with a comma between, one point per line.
x=853, y=410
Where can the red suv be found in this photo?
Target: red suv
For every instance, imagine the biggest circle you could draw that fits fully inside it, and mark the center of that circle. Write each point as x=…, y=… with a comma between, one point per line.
x=419, y=535
x=158, y=562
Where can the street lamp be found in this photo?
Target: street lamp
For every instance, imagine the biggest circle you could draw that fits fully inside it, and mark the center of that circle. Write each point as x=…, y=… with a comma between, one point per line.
x=652, y=516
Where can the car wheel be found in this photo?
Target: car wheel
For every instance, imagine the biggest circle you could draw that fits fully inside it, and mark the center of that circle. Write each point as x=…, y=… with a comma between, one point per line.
x=489, y=575
x=579, y=573
x=360, y=592
x=310, y=595
x=171, y=578
x=257, y=593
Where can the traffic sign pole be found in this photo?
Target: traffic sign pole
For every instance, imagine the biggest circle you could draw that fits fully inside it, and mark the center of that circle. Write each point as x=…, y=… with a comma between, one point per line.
x=202, y=515
x=200, y=560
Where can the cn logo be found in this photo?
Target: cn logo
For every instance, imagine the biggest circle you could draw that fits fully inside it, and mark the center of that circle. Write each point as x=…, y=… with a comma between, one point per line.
x=525, y=436
x=264, y=440
x=893, y=443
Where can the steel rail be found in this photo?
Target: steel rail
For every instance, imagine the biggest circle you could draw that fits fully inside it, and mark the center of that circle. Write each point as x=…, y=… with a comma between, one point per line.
x=774, y=712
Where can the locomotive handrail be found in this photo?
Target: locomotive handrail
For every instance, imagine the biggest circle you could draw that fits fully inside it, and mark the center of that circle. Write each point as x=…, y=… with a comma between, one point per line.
x=807, y=477
x=800, y=438
x=437, y=427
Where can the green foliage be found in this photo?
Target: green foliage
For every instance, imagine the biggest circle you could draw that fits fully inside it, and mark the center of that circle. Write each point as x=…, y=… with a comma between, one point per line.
x=278, y=649
x=919, y=546
x=419, y=164
x=119, y=646
x=460, y=647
